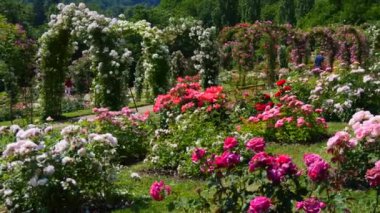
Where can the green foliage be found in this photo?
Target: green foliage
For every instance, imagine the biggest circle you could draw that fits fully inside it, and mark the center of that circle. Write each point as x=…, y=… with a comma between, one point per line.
x=171, y=148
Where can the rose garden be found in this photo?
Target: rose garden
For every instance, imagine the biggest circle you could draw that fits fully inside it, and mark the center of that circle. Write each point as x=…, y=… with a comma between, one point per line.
x=241, y=120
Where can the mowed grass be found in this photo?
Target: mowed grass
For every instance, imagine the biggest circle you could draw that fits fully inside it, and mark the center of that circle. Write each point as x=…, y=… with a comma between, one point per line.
x=358, y=201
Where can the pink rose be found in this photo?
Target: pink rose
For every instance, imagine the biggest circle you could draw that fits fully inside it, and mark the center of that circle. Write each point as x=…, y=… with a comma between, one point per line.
x=158, y=190
x=260, y=160
x=318, y=171
x=198, y=154
x=311, y=205
x=260, y=204
x=256, y=144
x=230, y=142
x=373, y=175
x=300, y=121
x=279, y=123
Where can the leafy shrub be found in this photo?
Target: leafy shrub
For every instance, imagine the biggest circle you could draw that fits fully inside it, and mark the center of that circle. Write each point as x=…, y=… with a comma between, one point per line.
x=72, y=171
x=131, y=129
x=71, y=104
x=170, y=147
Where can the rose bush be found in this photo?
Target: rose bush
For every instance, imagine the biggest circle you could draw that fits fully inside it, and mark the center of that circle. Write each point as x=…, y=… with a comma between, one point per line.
x=71, y=171
x=131, y=129
x=238, y=182
x=286, y=119
x=357, y=148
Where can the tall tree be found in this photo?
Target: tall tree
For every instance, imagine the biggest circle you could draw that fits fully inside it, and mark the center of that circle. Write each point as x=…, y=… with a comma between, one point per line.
x=39, y=12
x=287, y=12
x=250, y=10
x=304, y=6
x=229, y=12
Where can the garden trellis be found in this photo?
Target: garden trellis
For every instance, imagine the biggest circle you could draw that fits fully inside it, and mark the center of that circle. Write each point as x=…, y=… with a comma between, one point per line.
x=106, y=41
x=242, y=42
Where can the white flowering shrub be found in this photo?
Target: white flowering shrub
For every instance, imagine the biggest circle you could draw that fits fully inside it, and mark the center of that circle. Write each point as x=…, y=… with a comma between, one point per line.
x=70, y=174
x=342, y=93
x=199, y=44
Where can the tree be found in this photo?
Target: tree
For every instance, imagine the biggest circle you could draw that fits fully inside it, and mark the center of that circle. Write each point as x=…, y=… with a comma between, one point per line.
x=250, y=10
x=287, y=12
x=229, y=12
x=39, y=12
x=304, y=7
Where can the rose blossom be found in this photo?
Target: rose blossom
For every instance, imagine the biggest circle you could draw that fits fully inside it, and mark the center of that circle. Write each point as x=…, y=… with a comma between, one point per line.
x=311, y=158
x=260, y=160
x=158, y=190
x=311, y=205
x=260, y=204
x=256, y=144
x=318, y=171
x=227, y=160
x=373, y=175
x=198, y=154
x=230, y=142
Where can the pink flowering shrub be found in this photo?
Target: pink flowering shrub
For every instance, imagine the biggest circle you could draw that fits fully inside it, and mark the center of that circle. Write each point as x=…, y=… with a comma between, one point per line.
x=289, y=120
x=130, y=128
x=357, y=148
x=158, y=191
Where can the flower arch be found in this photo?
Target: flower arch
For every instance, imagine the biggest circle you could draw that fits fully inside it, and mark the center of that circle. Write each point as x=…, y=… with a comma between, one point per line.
x=110, y=59
x=197, y=44
x=353, y=46
x=242, y=41
x=328, y=43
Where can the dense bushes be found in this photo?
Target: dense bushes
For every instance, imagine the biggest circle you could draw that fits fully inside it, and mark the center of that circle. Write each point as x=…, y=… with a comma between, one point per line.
x=131, y=129
x=71, y=171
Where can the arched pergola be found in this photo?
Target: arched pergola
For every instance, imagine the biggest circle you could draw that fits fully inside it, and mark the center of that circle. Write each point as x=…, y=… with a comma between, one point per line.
x=110, y=59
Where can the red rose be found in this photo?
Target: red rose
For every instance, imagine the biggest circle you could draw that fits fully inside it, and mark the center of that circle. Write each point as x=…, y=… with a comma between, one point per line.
x=278, y=94
x=260, y=107
x=281, y=82
x=287, y=88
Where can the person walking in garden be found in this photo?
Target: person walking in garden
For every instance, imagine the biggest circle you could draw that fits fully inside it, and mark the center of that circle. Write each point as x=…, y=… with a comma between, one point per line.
x=68, y=86
x=319, y=59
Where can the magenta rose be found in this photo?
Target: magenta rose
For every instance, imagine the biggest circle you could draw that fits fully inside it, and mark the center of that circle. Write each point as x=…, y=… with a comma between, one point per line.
x=230, y=142
x=226, y=160
x=260, y=204
x=311, y=158
x=198, y=154
x=311, y=205
x=260, y=160
x=158, y=190
x=318, y=171
x=256, y=144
